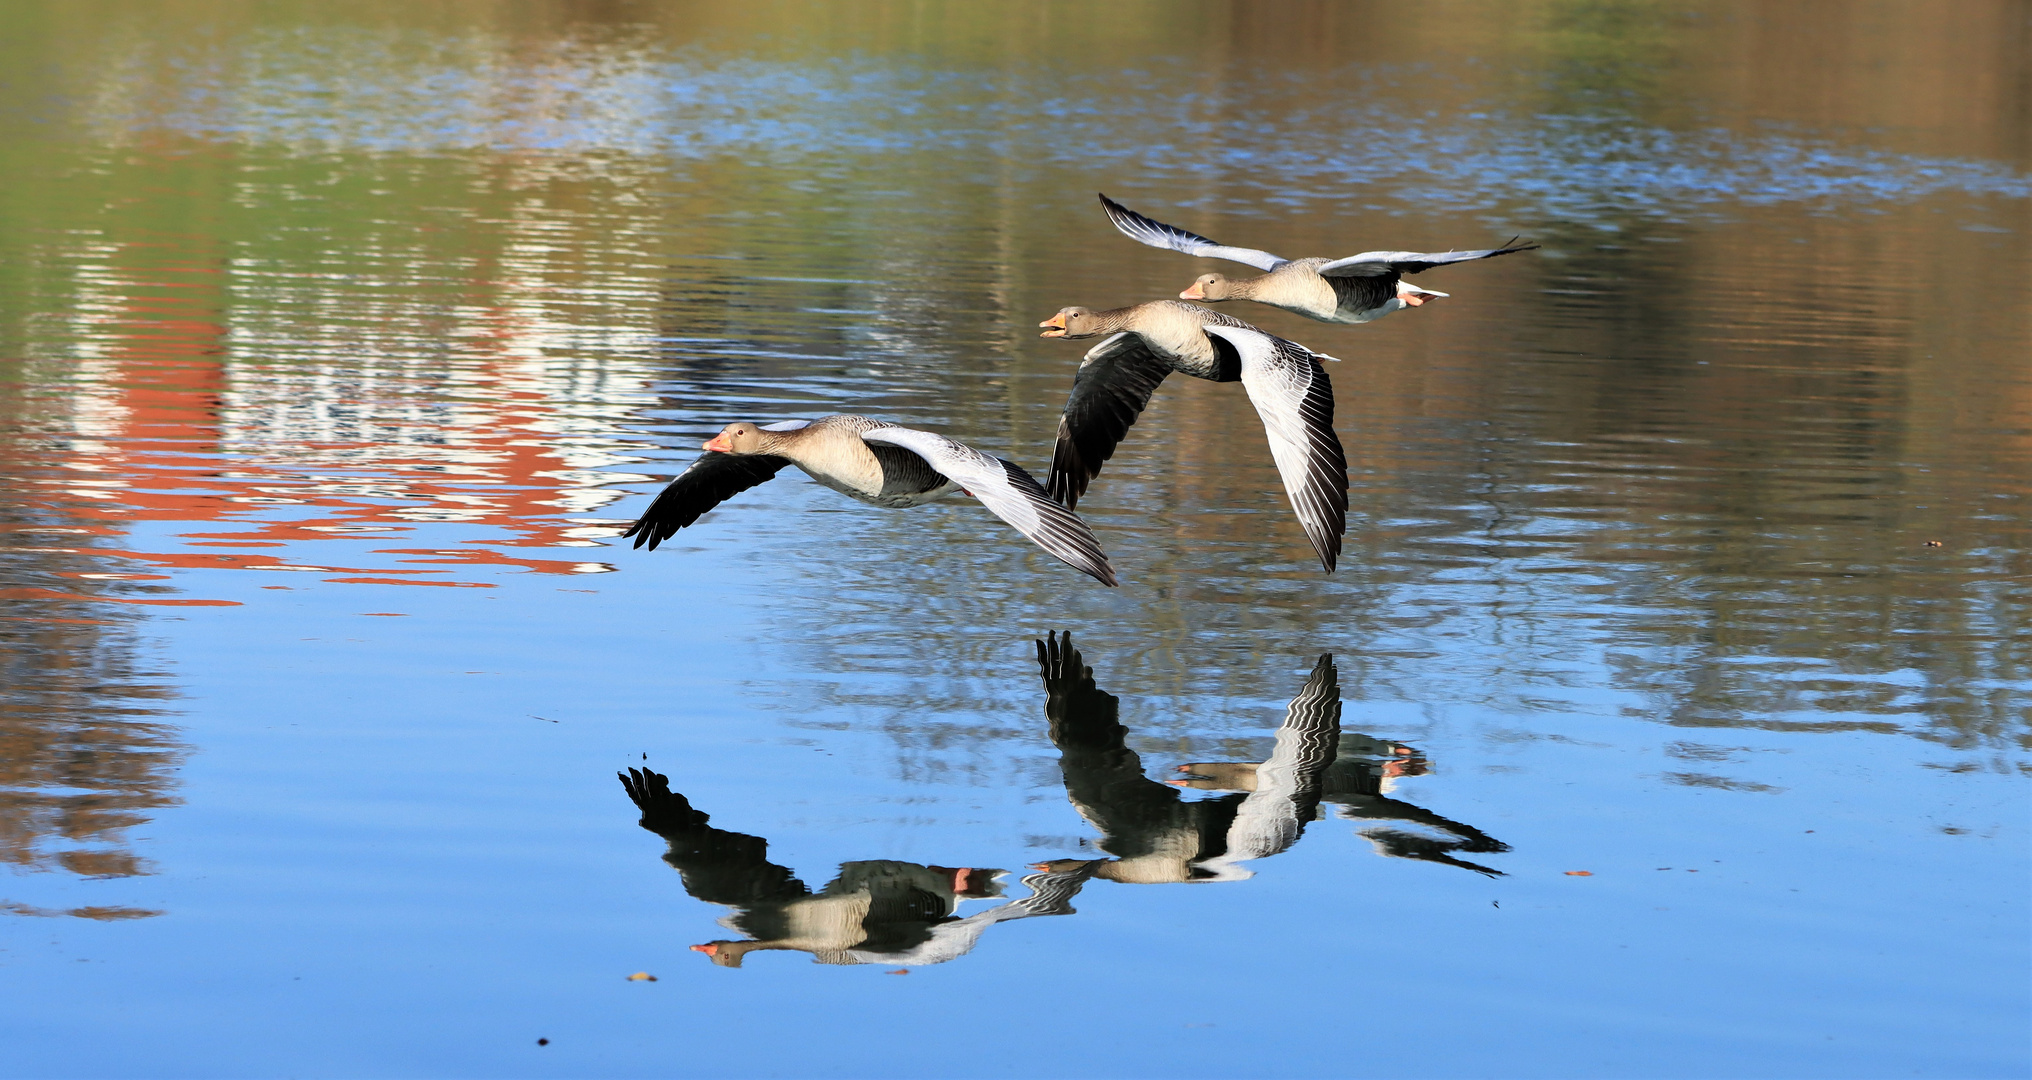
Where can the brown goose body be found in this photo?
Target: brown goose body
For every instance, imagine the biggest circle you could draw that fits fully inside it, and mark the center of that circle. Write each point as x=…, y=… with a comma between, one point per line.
x=1299, y=287
x=831, y=451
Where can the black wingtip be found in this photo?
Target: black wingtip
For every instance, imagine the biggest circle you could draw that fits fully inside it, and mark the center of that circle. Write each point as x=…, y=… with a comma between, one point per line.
x=644, y=532
x=1116, y=212
x=1125, y=219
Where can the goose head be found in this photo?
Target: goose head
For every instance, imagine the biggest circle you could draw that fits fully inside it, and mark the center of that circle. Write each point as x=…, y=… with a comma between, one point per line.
x=743, y=438
x=1074, y=322
x=1208, y=287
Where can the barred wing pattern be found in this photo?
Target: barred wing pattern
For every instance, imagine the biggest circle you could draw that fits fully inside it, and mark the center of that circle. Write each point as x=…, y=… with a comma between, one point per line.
x=1293, y=396
x=1114, y=383
x=1012, y=494
x=1157, y=234
x=1288, y=785
x=1380, y=263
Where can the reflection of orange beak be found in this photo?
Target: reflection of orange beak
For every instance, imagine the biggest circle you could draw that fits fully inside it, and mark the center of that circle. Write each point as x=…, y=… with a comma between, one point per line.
x=1057, y=324
x=718, y=444
x=1192, y=292
x=709, y=950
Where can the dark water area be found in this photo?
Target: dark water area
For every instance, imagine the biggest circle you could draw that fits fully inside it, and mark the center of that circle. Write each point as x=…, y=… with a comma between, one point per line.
x=1668, y=715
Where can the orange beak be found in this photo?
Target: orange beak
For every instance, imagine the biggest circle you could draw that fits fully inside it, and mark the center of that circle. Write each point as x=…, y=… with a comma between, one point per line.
x=1192, y=292
x=709, y=950
x=1057, y=324
x=718, y=444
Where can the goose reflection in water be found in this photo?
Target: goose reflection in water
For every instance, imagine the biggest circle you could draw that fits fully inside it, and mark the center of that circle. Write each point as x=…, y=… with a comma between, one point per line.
x=1156, y=836
x=881, y=911
x=906, y=914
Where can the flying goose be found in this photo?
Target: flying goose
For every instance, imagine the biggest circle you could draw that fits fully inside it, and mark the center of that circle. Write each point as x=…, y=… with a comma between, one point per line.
x=879, y=464
x=1149, y=341
x=1357, y=289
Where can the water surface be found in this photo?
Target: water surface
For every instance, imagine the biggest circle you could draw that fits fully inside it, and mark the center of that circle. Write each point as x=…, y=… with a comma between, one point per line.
x=1688, y=552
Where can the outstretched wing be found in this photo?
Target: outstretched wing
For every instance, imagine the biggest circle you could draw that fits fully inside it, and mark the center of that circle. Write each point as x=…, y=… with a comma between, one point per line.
x=1145, y=230
x=1292, y=395
x=1310, y=736
x=1011, y=493
x=1113, y=384
x=1379, y=263
x=1288, y=786
x=712, y=479
x=663, y=810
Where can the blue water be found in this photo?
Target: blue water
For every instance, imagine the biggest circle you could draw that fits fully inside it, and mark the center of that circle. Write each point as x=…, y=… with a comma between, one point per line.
x=1679, y=647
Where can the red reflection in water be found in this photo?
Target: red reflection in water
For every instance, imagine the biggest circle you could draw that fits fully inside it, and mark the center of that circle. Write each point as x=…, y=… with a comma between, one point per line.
x=176, y=431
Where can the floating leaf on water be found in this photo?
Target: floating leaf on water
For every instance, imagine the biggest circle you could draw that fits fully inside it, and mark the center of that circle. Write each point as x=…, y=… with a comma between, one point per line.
x=1580, y=873
x=642, y=976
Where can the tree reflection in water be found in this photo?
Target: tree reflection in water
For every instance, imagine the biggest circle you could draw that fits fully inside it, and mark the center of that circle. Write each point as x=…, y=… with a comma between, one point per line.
x=885, y=911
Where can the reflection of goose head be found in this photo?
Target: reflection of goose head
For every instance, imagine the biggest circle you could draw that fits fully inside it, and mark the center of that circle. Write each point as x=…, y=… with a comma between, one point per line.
x=726, y=953
x=1218, y=775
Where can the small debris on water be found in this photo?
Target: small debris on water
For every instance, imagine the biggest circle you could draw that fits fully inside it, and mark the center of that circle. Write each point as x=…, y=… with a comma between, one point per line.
x=898, y=971
x=1933, y=543
x=543, y=1042
x=1580, y=873
x=642, y=976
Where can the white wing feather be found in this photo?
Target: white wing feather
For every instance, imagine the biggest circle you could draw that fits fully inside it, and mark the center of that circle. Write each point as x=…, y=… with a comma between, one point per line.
x=1012, y=494
x=1157, y=234
x=1293, y=396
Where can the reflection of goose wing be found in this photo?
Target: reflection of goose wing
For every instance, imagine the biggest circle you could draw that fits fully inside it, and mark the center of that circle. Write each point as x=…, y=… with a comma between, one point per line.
x=1145, y=230
x=1051, y=893
x=1403, y=844
x=1398, y=844
x=1288, y=784
x=1011, y=493
x=1293, y=396
x=1072, y=699
x=1382, y=263
x=1113, y=384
